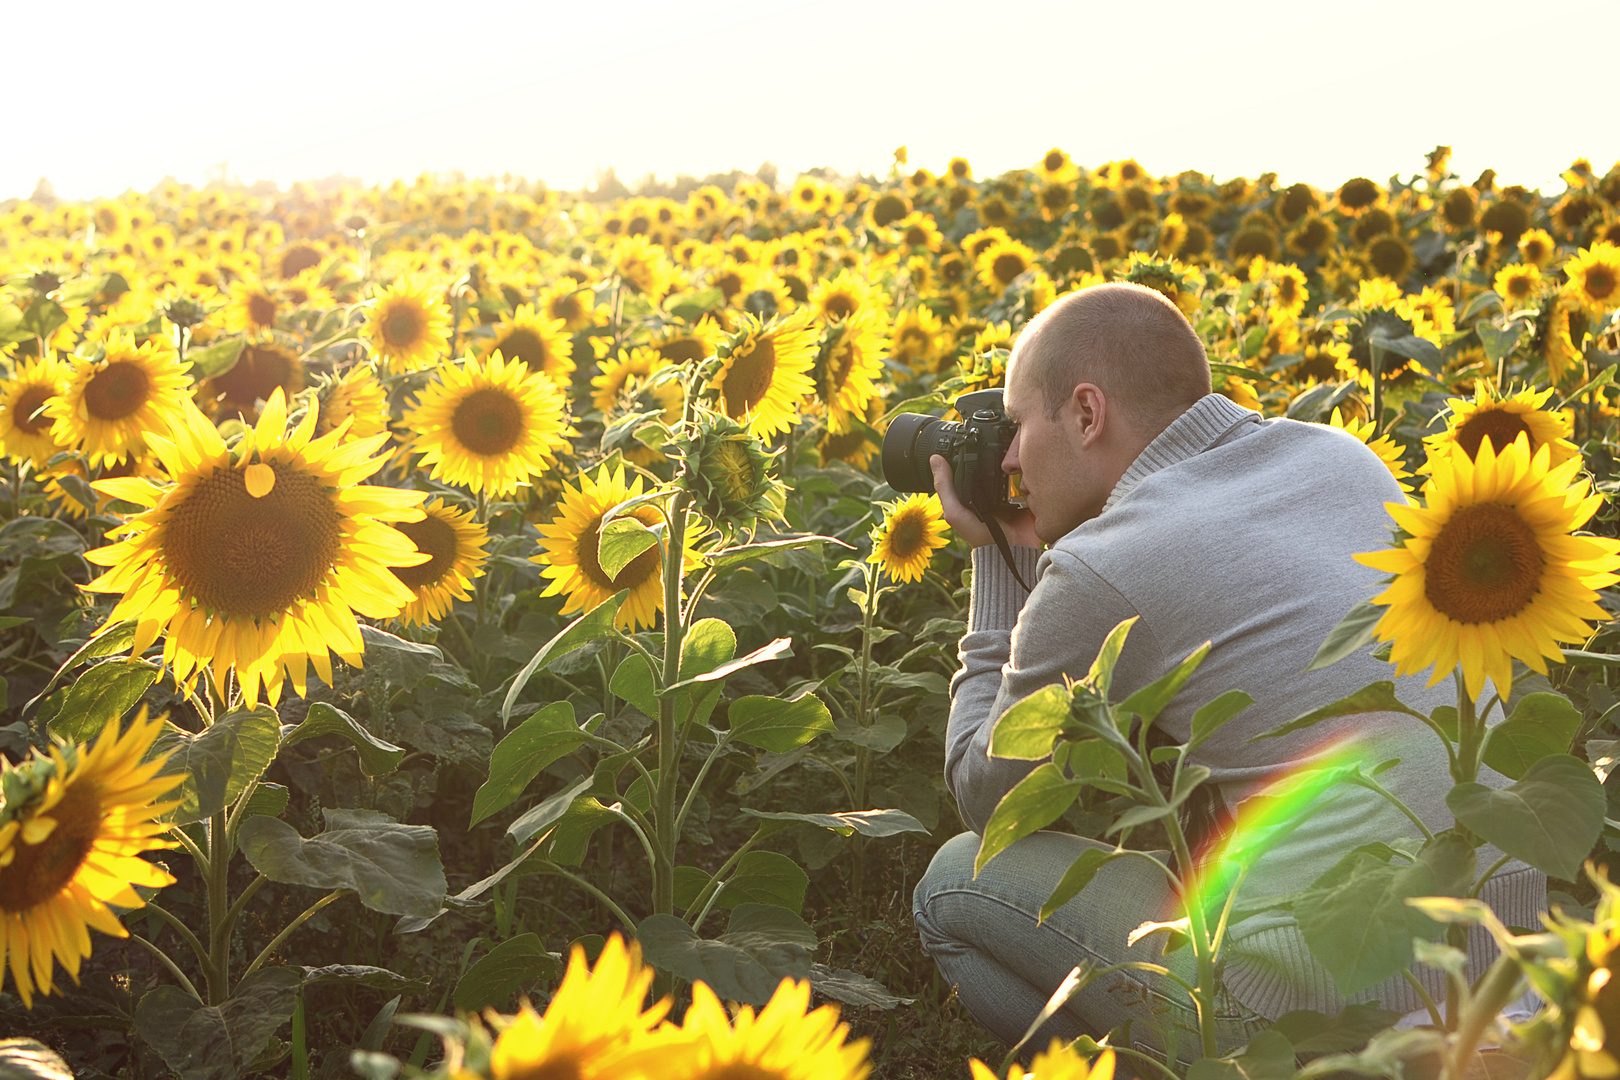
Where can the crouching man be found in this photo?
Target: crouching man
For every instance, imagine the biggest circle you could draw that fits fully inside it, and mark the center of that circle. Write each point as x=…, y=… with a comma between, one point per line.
x=1155, y=498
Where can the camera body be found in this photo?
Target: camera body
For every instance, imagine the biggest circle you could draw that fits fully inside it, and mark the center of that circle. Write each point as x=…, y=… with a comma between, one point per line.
x=974, y=446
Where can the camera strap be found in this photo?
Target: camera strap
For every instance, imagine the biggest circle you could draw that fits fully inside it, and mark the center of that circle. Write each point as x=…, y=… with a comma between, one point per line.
x=1000, y=538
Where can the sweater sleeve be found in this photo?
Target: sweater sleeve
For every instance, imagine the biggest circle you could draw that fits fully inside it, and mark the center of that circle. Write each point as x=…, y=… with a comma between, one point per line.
x=1017, y=643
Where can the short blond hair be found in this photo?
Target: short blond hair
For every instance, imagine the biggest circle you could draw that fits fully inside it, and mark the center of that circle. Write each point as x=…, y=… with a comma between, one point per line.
x=1129, y=340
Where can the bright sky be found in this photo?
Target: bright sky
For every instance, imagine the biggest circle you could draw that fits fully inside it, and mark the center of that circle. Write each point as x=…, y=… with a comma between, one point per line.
x=107, y=96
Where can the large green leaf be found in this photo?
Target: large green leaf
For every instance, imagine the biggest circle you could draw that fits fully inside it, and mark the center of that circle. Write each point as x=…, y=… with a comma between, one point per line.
x=621, y=542
x=1034, y=803
x=215, y=359
x=1213, y=716
x=764, y=877
x=633, y=681
x=393, y=868
x=377, y=757
x=762, y=945
x=503, y=971
x=744, y=553
x=865, y=822
x=773, y=724
x=1151, y=700
x=709, y=645
x=1025, y=732
x=571, y=835
x=218, y=1042
x=1316, y=1033
x=527, y=749
x=1355, y=919
x=1541, y=725
x=1550, y=817
x=1376, y=697
x=547, y=812
x=594, y=625
x=772, y=651
x=220, y=761
x=1353, y=633
x=853, y=988
x=105, y=692
x=1077, y=877
x=1101, y=675
x=1498, y=342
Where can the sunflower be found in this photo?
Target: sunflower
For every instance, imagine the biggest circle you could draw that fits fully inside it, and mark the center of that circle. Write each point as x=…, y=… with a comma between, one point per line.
x=1561, y=333
x=258, y=370
x=73, y=826
x=570, y=544
x=1517, y=284
x=540, y=341
x=357, y=398
x=643, y=266
x=858, y=445
x=729, y=472
x=1487, y=573
x=1431, y=314
x=1056, y=167
x=1311, y=236
x=1594, y=278
x=574, y=305
x=253, y=308
x=454, y=544
x=765, y=371
x=1055, y=200
x=685, y=344
x=1387, y=449
x=1001, y=263
x=844, y=295
x=489, y=425
x=110, y=407
x=919, y=232
x=594, y=1027
x=408, y=325
x=783, y=1041
x=849, y=367
x=253, y=557
x=1288, y=291
x=1503, y=420
x=911, y=531
x=918, y=338
x=1537, y=247
x=1059, y=1062
x=145, y=465
x=25, y=431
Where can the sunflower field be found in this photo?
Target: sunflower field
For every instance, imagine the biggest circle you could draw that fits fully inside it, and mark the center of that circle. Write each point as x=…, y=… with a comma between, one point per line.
x=461, y=629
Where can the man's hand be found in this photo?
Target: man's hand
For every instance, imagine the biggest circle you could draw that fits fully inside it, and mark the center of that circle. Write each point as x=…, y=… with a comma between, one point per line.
x=1019, y=525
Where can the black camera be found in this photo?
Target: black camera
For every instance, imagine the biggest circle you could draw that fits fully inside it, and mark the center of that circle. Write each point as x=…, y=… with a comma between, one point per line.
x=975, y=447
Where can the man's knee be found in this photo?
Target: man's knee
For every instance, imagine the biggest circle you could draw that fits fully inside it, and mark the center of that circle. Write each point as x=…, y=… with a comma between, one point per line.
x=950, y=868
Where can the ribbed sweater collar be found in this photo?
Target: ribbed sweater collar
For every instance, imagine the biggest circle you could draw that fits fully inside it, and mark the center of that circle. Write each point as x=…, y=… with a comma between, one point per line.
x=1191, y=433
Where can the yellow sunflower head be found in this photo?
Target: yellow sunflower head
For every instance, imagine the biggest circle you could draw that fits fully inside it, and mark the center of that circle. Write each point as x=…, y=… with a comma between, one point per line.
x=842, y=296
x=1518, y=284
x=571, y=543
x=1060, y=1061
x=539, y=340
x=785, y=1040
x=764, y=371
x=254, y=308
x=408, y=325
x=254, y=558
x=849, y=367
x=1501, y=420
x=356, y=398
x=574, y=305
x=259, y=369
x=1537, y=247
x=73, y=826
x=489, y=425
x=25, y=429
x=110, y=407
x=683, y=343
x=909, y=534
x=644, y=267
x=1001, y=263
x=918, y=338
x=1055, y=167
x=1594, y=278
x=1486, y=572
x=454, y=544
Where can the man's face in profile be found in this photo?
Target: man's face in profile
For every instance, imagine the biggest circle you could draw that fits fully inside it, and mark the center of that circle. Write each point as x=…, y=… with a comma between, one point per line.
x=1047, y=456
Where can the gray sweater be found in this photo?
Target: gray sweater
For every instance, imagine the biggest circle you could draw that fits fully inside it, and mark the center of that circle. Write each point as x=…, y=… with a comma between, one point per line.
x=1239, y=531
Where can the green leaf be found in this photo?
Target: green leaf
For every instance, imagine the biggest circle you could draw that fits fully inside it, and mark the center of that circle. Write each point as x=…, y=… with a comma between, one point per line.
x=548, y=812
x=1151, y=700
x=881, y=736
x=865, y=822
x=1077, y=877
x=1101, y=675
x=517, y=759
x=852, y=988
x=43, y=317
x=1353, y=633
x=633, y=682
x=1541, y=725
x=594, y=625
x=744, y=553
x=776, y=649
x=622, y=542
x=1411, y=347
x=218, y=1042
x=1034, y=803
x=709, y=644
x=393, y=868
x=762, y=945
x=1479, y=303
x=1269, y=1056
x=1355, y=920
x=776, y=725
x=1317, y=1033
x=1377, y=697
x=1213, y=716
x=220, y=761
x=105, y=692
x=572, y=834
x=267, y=799
x=503, y=971
x=376, y=978
x=1499, y=343
x=215, y=359
x=1550, y=818
x=764, y=877
x=1025, y=731
x=377, y=757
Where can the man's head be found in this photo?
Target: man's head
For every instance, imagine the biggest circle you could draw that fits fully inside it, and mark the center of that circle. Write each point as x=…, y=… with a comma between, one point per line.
x=1092, y=380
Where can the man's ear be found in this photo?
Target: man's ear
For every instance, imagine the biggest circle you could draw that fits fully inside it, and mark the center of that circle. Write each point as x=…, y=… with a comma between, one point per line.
x=1089, y=406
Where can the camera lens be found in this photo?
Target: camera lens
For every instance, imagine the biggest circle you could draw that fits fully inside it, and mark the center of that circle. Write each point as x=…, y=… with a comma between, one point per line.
x=911, y=440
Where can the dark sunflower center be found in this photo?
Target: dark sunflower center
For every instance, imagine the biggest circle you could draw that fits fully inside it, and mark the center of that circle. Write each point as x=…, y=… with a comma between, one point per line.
x=1485, y=565
x=297, y=259
x=117, y=391
x=28, y=403
x=488, y=422
x=683, y=350
x=1600, y=282
x=1391, y=257
x=40, y=871
x=558, y=1068
x=1053, y=161
x=916, y=236
x=1288, y=290
x=243, y=557
x=261, y=310
x=750, y=377
x=1008, y=266
x=1498, y=425
x=730, y=283
x=635, y=572
x=257, y=374
x=402, y=326
x=1518, y=286
x=522, y=343
x=840, y=305
x=888, y=209
x=567, y=308
x=905, y=536
x=435, y=537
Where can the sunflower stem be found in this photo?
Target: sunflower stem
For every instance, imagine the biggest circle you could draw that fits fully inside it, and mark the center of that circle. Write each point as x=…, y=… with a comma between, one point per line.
x=275, y=943
x=863, y=755
x=664, y=809
x=1469, y=734
x=184, y=931
x=219, y=869
x=172, y=968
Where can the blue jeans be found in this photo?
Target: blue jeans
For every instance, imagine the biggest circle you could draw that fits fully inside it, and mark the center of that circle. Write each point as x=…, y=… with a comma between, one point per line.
x=984, y=936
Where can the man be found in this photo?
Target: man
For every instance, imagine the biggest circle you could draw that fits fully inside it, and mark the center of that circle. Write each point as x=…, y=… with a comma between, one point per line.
x=1160, y=500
